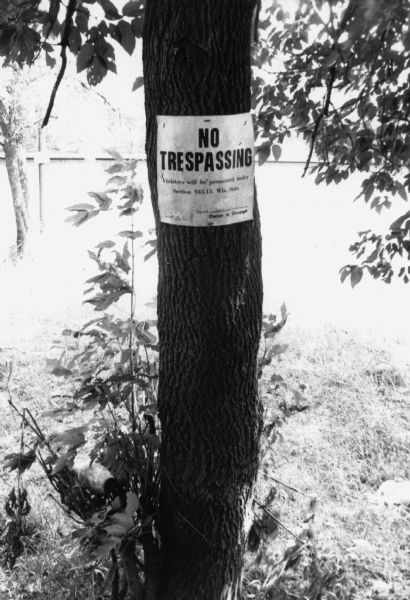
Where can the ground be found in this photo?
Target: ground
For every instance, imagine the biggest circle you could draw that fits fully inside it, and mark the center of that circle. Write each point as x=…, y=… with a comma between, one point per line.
x=337, y=439
x=353, y=436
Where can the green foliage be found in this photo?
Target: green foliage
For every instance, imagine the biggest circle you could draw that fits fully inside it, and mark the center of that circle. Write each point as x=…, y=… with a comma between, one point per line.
x=19, y=461
x=106, y=470
x=335, y=72
x=87, y=32
x=16, y=528
x=271, y=327
x=301, y=573
x=342, y=85
x=287, y=399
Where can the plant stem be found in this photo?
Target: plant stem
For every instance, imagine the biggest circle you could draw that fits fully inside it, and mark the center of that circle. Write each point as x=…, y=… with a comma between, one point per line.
x=132, y=312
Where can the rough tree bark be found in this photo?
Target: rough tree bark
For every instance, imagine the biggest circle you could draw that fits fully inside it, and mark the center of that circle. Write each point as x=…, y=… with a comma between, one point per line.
x=13, y=147
x=16, y=171
x=197, y=62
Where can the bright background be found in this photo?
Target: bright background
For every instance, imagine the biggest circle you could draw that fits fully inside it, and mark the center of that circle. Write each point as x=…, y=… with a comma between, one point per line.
x=307, y=229
x=306, y=233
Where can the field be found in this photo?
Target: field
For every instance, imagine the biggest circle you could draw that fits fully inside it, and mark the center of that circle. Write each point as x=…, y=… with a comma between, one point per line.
x=343, y=434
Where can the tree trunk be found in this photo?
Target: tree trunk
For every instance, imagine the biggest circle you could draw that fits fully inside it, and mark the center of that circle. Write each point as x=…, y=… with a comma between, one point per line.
x=197, y=62
x=17, y=174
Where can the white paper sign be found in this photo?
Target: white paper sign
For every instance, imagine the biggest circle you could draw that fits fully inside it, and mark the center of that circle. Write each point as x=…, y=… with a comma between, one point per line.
x=205, y=169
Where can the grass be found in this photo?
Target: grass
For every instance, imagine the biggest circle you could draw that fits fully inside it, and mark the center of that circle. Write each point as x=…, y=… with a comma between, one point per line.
x=353, y=436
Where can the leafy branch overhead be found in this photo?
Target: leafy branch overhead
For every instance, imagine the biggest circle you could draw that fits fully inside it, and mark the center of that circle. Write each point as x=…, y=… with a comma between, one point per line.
x=27, y=29
x=336, y=72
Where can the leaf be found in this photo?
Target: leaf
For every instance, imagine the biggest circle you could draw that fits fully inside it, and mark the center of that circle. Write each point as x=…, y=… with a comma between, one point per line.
x=103, y=28
x=400, y=222
x=117, y=180
x=137, y=25
x=84, y=57
x=150, y=253
x=132, y=8
x=50, y=61
x=371, y=111
x=72, y=438
x=114, y=32
x=131, y=235
x=103, y=301
x=114, y=154
x=97, y=70
x=368, y=192
x=19, y=461
x=263, y=152
x=93, y=256
x=74, y=41
x=110, y=10
x=373, y=256
x=401, y=190
x=272, y=329
x=53, y=10
x=115, y=530
x=133, y=503
x=124, y=520
x=276, y=151
x=81, y=19
x=104, y=201
x=139, y=82
x=105, y=548
x=356, y=276
x=344, y=272
x=83, y=206
x=127, y=37
x=105, y=244
x=81, y=217
x=115, y=168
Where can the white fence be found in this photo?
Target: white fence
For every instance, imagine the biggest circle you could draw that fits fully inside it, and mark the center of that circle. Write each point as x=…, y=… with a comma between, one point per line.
x=306, y=233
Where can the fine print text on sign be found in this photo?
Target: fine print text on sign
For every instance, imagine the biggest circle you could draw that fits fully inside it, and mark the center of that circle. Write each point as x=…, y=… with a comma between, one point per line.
x=205, y=169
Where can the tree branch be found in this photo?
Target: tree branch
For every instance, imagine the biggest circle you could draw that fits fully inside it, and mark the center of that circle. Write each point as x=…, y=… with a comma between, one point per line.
x=88, y=88
x=332, y=77
x=347, y=16
x=346, y=130
x=64, y=43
